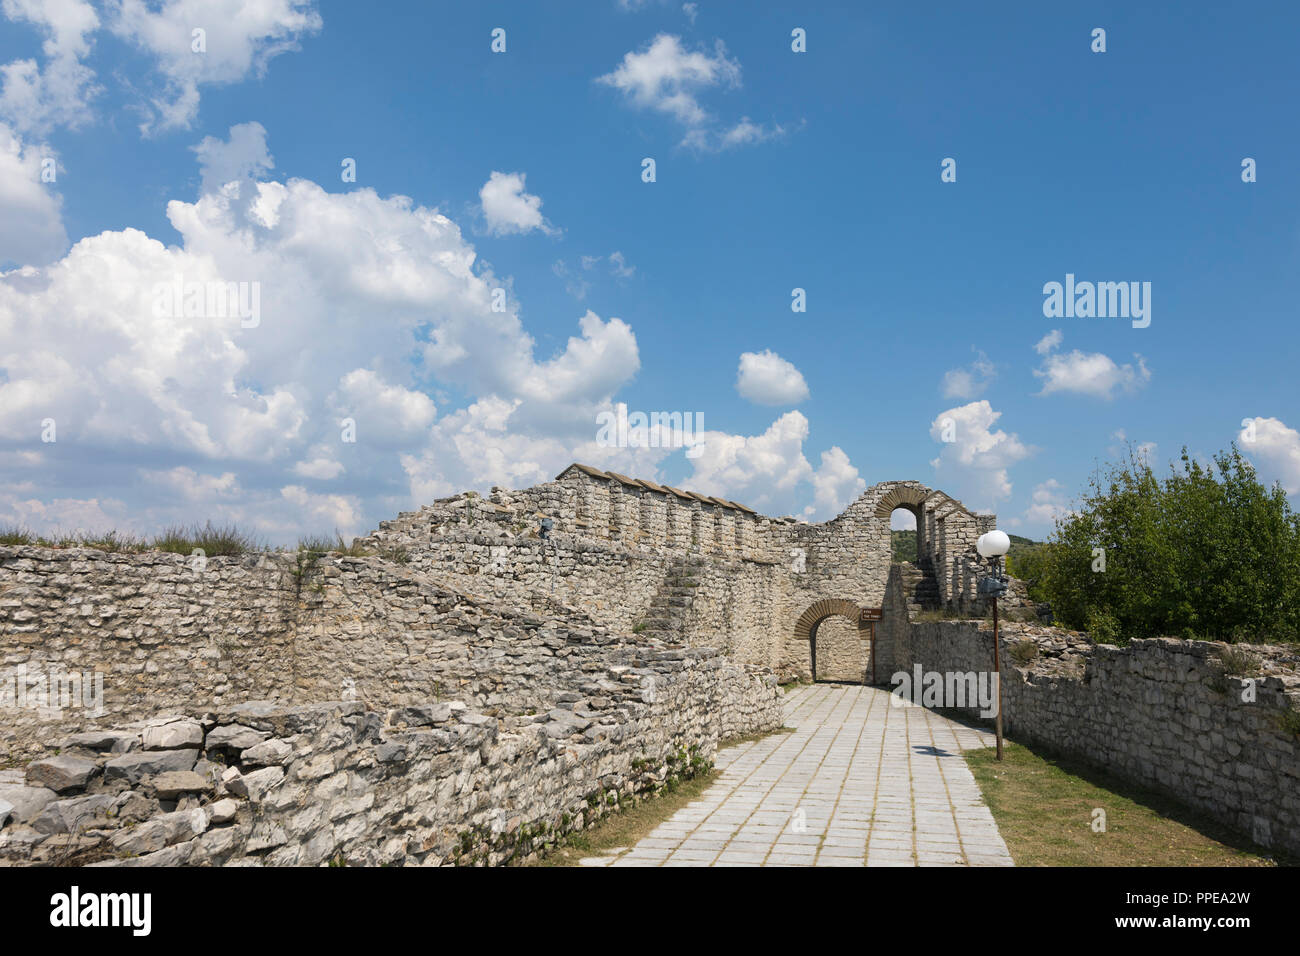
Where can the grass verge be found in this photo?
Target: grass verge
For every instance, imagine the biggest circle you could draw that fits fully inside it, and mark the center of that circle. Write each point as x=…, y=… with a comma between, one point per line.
x=631, y=824
x=1045, y=807
x=627, y=826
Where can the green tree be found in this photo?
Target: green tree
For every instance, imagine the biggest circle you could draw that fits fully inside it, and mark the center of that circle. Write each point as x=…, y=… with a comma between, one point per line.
x=1028, y=562
x=1206, y=552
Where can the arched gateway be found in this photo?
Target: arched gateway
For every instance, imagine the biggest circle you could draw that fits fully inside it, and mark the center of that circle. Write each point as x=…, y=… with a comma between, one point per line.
x=858, y=655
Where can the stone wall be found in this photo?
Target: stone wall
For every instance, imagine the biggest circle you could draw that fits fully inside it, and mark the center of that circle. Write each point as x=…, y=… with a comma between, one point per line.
x=162, y=635
x=1161, y=713
x=262, y=783
x=616, y=543
x=156, y=631
x=843, y=652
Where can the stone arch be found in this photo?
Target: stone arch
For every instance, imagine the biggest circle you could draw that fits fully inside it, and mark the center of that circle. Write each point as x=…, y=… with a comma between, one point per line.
x=901, y=496
x=805, y=628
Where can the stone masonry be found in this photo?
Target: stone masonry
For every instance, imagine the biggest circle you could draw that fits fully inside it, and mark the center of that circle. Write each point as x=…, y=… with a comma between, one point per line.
x=492, y=673
x=690, y=567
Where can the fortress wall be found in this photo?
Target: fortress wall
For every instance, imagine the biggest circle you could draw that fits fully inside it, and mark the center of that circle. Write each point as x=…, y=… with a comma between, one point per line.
x=1160, y=713
x=157, y=632
x=431, y=784
x=161, y=635
x=776, y=567
x=380, y=632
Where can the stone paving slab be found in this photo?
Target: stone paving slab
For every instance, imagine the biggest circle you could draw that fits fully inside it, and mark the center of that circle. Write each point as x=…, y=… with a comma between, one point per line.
x=860, y=782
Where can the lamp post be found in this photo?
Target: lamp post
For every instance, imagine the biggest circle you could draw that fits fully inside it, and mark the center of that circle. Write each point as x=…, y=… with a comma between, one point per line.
x=993, y=545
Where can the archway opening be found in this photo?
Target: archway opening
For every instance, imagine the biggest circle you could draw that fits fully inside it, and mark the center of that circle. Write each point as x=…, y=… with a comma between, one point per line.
x=840, y=645
x=906, y=535
x=840, y=652
x=902, y=509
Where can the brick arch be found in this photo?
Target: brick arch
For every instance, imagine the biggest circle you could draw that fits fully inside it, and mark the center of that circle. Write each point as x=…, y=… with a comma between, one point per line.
x=903, y=496
x=806, y=626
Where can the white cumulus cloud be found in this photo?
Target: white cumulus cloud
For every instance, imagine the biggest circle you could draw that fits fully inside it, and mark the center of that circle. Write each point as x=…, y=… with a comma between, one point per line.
x=969, y=382
x=668, y=77
x=31, y=221
x=1087, y=373
x=1275, y=449
x=34, y=98
x=974, y=458
x=239, y=39
x=508, y=209
x=243, y=156
x=767, y=379
x=769, y=472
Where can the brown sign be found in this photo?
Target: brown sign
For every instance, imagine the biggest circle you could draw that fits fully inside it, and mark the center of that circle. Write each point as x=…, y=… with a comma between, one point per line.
x=873, y=613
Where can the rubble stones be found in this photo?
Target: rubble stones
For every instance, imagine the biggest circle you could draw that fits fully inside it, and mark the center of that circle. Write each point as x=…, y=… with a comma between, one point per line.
x=61, y=774
x=173, y=736
x=234, y=738
x=134, y=767
x=176, y=783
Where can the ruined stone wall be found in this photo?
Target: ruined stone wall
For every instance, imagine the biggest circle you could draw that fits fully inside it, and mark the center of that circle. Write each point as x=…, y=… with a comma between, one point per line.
x=158, y=632
x=615, y=542
x=433, y=784
x=1161, y=713
x=162, y=635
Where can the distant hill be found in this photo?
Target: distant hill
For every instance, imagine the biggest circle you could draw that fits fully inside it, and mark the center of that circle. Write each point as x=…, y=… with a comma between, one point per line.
x=904, y=545
x=1019, y=545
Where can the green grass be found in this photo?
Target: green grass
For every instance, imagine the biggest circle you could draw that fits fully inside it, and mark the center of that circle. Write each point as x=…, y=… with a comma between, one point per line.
x=629, y=825
x=324, y=544
x=213, y=540
x=1044, y=807
x=224, y=540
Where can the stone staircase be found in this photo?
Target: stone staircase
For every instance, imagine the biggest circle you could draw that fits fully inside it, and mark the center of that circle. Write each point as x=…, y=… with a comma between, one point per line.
x=666, y=616
x=920, y=585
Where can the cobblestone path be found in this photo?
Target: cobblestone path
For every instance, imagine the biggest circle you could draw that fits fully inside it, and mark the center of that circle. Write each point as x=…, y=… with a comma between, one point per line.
x=858, y=783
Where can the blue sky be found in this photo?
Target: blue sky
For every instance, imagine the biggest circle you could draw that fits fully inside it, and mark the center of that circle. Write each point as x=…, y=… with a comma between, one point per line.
x=775, y=170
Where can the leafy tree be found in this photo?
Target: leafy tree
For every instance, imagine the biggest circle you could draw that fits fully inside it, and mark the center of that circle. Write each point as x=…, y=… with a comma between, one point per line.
x=904, y=545
x=1028, y=561
x=1206, y=552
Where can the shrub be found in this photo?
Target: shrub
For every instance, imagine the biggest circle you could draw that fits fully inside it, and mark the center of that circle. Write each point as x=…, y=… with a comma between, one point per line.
x=13, y=534
x=1206, y=552
x=1029, y=564
x=319, y=544
x=225, y=540
x=1234, y=660
x=1103, y=628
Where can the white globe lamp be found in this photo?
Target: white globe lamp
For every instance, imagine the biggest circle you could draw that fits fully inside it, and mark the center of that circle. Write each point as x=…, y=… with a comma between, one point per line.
x=993, y=544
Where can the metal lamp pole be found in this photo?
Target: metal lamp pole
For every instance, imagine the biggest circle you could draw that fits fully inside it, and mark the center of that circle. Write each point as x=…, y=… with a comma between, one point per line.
x=993, y=545
x=997, y=665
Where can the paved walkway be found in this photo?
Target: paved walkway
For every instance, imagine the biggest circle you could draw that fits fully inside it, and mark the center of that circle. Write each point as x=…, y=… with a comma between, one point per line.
x=859, y=782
